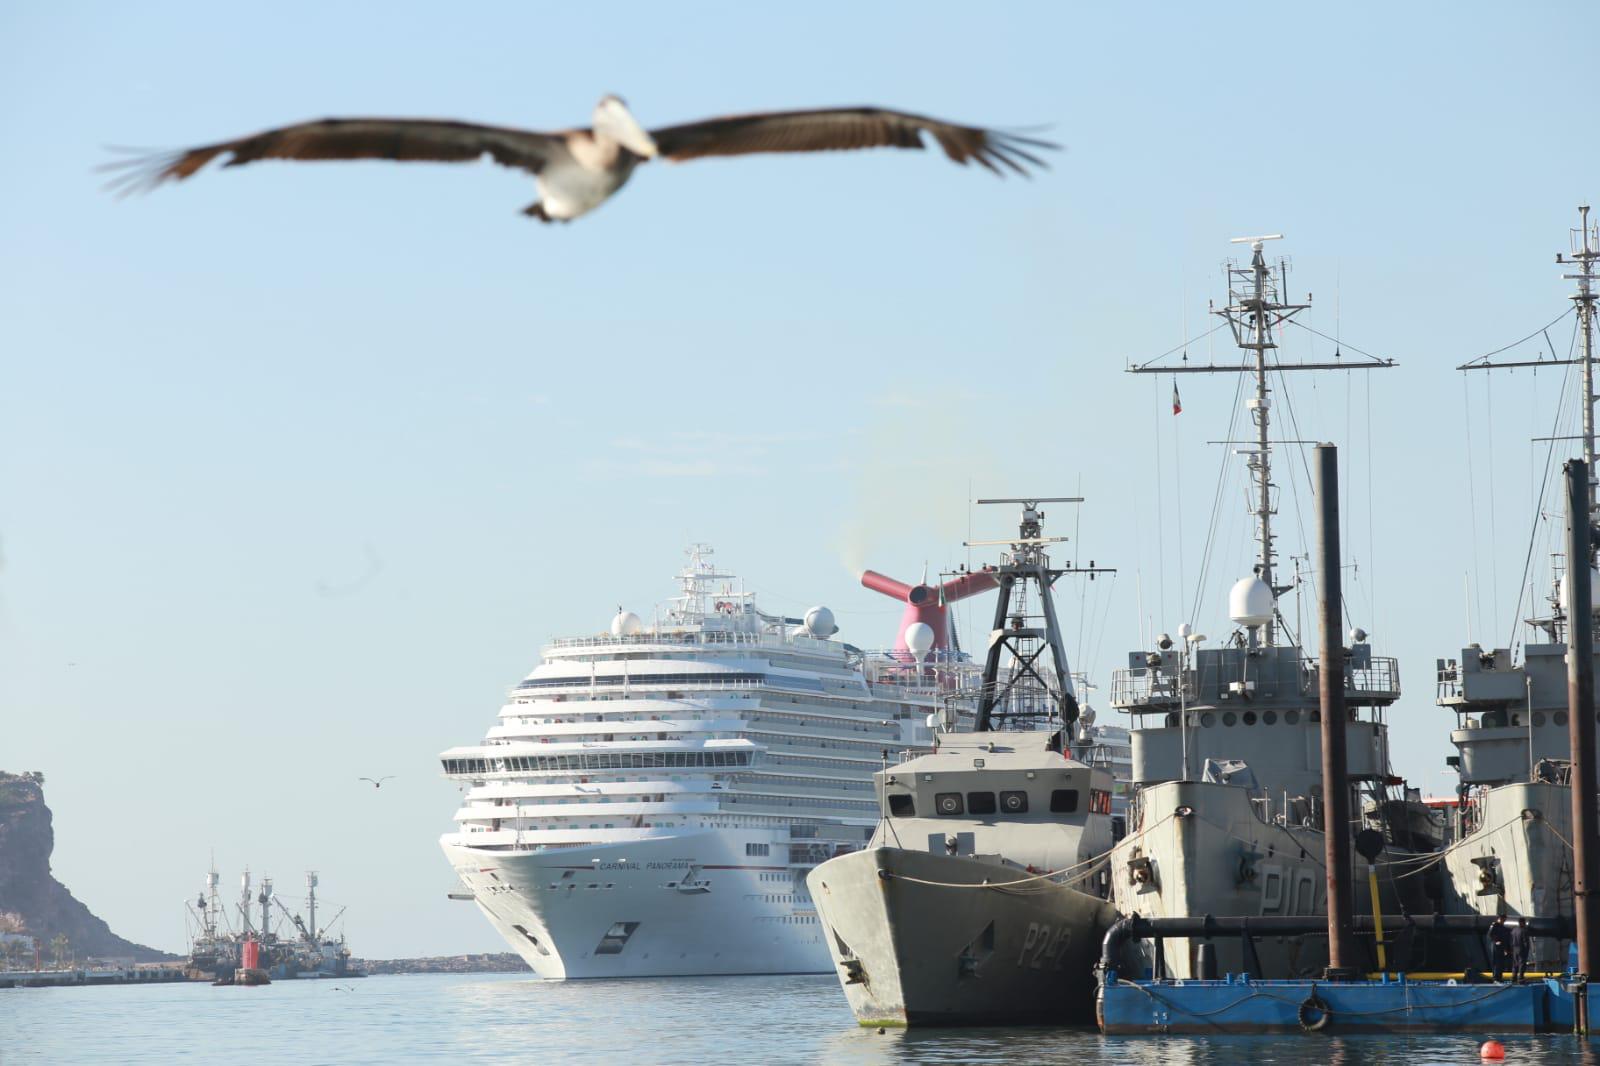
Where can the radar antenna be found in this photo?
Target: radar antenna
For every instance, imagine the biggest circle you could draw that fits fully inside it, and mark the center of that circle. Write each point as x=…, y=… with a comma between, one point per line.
x=1012, y=686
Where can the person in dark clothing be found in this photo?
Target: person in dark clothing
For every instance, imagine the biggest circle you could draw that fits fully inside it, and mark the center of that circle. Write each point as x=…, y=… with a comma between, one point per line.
x=1499, y=938
x=1521, y=944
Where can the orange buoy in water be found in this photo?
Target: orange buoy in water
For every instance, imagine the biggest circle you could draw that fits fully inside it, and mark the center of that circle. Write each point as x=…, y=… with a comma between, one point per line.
x=1492, y=1051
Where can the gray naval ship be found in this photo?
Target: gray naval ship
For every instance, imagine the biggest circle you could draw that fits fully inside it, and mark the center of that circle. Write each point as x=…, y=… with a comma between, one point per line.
x=1513, y=817
x=980, y=899
x=1226, y=814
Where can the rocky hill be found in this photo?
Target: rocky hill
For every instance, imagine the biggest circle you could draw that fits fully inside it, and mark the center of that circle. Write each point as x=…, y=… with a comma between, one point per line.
x=31, y=900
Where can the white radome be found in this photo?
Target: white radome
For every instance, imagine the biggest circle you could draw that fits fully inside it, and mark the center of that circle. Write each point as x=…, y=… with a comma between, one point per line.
x=919, y=639
x=1250, y=602
x=820, y=623
x=626, y=624
x=1564, y=596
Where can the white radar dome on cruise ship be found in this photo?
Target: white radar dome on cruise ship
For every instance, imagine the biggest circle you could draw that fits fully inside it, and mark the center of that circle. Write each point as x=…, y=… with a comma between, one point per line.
x=1250, y=602
x=626, y=624
x=1564, y=595
x=820, y=623
x=919, y=639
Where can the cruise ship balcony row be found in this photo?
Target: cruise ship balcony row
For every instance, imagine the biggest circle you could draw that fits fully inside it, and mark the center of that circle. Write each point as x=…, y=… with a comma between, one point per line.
x=574, y=706
x=682, y=639
x=601, y=732
x=562, y=838
x=641, y=787
x=596, y=760
x=556, y=689
x=660, y=728
x=557, y=811
x=790, y=741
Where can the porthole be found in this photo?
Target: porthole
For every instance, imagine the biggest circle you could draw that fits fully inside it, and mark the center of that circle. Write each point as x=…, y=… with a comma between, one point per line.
x=1560, y=718
x=1249, y=717
x=1538, y=719
x=1208, y=719
x=1269, y=718
x=1291, y=717
x=1229, y=718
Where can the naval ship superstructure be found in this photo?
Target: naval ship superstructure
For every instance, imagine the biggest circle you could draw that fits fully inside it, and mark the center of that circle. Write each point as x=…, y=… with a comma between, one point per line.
x=651, y=797
x=1226, y=742
x=980, y=898
x=1513, y=821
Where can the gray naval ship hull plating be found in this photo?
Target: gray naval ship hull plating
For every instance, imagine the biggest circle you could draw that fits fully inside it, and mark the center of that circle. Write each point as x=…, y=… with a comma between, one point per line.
x=929, y=939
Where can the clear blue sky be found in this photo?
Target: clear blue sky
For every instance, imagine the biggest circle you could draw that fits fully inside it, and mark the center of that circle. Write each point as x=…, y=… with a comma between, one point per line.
x=299, y=465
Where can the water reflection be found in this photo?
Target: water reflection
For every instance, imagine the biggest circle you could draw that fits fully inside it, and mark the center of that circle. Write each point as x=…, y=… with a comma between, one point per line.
x=1076, y=1047
x=514, y=1019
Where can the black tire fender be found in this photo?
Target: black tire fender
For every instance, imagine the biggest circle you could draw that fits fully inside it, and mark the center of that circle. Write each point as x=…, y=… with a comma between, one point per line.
x=1314, y=1014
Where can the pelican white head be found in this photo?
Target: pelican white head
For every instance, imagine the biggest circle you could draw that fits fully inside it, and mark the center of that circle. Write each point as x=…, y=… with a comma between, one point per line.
x=613, y=119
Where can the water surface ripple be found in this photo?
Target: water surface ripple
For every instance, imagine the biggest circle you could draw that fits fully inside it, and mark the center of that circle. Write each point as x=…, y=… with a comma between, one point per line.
x=516, y=1019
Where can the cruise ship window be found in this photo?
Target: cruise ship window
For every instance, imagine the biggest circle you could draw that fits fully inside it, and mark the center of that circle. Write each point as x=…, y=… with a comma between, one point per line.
x=981, y=802
x=949, y=803
x=901, y=805
x=1063, y=800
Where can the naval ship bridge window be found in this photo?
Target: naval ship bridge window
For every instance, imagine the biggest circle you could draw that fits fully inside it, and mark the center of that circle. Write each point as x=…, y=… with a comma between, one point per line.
x=901, y=805
x=981, y=802
x=1014, y=802
x=1063, y=800
x=949, y=803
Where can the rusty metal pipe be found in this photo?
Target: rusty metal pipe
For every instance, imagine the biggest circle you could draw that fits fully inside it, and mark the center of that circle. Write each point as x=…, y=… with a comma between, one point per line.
x=1330, y=685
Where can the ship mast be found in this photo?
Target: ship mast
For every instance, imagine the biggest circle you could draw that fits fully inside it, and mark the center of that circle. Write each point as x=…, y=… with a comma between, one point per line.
x=1585, y=250
x=1256, y=308
x=1584, y=253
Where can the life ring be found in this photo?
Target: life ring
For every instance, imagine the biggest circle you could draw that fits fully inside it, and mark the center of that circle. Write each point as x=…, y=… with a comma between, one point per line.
x=1314, y=1014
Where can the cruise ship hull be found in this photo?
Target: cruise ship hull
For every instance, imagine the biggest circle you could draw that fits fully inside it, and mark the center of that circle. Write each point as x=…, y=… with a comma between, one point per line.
x=917, y=941
x=669, y=906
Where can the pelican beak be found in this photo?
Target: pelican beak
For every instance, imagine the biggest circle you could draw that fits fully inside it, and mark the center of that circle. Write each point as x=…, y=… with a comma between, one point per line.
x=613, y=119
x=637, y=141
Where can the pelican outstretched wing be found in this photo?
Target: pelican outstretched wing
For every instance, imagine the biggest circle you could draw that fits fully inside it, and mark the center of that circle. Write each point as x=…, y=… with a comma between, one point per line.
x=401, y=139
x=845, y=128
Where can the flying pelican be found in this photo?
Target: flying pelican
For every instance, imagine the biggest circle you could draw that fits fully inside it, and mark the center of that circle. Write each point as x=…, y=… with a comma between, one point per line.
x=378, y=782
x=578, y=170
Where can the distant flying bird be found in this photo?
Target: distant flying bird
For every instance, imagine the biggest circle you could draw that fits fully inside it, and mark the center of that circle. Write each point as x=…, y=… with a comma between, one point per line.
x=379, y=782
x=578, y=170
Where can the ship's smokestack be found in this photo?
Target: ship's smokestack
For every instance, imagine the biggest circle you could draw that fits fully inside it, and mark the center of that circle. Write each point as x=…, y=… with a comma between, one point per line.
x=928, y=603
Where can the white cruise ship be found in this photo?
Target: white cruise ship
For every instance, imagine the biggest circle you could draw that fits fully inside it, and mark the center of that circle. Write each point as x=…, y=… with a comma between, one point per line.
x=651, y=798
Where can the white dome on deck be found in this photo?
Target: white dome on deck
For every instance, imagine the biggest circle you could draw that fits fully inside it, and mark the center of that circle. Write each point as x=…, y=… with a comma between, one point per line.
x=1250, y=602
x=626, y=624
x=819, y=623
x=919, y=639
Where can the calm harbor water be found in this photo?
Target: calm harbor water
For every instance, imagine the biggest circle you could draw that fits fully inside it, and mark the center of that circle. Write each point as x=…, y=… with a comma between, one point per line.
x=515, y=1019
